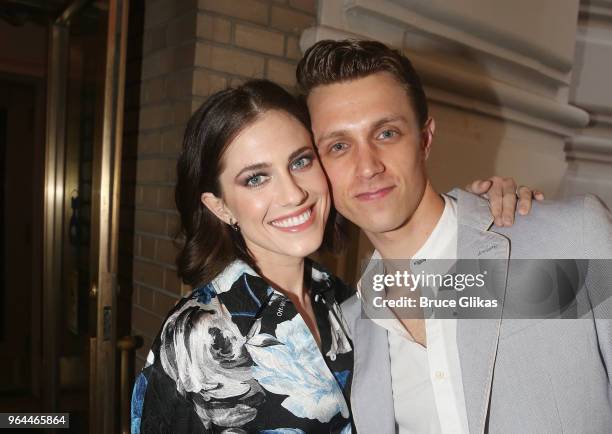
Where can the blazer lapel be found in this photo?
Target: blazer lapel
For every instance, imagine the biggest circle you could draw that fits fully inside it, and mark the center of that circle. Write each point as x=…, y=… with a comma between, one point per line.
x=371, y=392
x=477, y=339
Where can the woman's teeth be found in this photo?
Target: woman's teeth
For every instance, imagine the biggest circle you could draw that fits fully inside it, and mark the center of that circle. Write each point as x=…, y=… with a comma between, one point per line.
x=293, y=221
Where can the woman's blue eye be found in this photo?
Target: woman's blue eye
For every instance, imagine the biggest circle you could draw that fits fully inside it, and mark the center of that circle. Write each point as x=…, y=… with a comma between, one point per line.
x=255, y=180
x=301, y=162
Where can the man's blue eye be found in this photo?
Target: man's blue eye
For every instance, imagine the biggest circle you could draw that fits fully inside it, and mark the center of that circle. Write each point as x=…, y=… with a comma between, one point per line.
x=337, y=147
x=387, y=134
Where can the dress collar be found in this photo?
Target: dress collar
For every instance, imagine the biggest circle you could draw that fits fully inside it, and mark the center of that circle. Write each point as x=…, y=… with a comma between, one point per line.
x=242, y=285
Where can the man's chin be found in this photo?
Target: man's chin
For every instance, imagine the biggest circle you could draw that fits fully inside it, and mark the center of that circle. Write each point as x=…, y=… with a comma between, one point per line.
x=377, y=227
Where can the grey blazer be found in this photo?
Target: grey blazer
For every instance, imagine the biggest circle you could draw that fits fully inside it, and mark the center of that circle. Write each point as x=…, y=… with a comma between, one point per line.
x=526, y=376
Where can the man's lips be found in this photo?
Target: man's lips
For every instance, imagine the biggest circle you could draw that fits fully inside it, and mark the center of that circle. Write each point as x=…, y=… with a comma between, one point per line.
x=374, y=194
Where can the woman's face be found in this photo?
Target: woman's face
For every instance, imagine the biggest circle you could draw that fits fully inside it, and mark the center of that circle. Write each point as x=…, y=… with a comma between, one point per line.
x=273, y=186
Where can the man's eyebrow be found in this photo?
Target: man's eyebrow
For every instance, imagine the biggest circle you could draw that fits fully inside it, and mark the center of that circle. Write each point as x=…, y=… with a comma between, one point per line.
x=376, y=124
x=333, y=134
x=387, y=120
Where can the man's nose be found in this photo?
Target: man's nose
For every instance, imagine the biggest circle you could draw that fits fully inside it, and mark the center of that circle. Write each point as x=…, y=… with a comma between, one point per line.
x=291, y=193
x=369, y=163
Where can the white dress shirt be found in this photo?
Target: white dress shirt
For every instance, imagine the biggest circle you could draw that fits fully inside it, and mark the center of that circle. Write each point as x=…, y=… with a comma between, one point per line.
x=426, y=382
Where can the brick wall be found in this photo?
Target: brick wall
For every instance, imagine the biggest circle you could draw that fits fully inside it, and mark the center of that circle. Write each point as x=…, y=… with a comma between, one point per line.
x=189, y=49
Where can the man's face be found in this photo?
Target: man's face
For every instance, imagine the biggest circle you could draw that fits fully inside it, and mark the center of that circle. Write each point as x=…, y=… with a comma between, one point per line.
x=372, y=149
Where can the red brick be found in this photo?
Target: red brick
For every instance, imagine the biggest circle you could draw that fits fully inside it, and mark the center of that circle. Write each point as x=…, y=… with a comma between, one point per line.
x=166, y=198
x=214, y=28
x=148, y=324
x=149, y=196
x=145, y=297
x=206, y=82
x=148, y=273
x=166, y=251
x=181, y=29
x=289, y=20
x=249, y=10
x=172, y=282
x=155, y=170
x=149, y=143
x=173, y=225
x=147, y=246
x=150, y=222
x=258, y=39
x=281, y=72
x=308, y=6
x=229, y=60
x=162, y=304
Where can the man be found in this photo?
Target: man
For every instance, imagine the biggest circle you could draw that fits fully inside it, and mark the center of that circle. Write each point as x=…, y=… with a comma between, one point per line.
x=413, y=374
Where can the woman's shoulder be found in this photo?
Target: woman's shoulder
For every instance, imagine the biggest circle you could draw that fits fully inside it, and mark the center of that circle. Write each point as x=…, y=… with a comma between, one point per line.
x=232, y=299
x=199, y=351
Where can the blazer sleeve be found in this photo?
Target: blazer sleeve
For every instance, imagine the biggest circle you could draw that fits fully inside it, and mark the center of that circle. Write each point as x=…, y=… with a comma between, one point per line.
x=597, y=229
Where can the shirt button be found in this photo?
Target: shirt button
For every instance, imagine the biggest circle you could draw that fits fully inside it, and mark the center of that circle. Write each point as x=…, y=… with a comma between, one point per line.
x=440, y=375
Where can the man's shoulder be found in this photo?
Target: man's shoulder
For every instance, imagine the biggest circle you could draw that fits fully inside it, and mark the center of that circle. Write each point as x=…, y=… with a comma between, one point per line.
x=351, y=309
x=576, y=226
x=568, y=216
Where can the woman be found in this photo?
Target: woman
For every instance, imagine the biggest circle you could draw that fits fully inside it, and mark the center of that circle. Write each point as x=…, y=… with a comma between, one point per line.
x=260, y=345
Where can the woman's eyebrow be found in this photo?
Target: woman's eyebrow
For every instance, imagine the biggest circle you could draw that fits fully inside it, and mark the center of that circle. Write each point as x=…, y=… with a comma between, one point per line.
x=298, y=152
x=259, y=166
x=252, y=167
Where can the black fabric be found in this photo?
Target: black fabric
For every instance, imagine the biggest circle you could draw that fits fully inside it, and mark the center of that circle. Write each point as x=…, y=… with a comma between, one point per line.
x=241, y=359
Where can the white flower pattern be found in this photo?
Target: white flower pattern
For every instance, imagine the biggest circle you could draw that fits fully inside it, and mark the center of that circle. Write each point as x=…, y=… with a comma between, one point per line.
x=291, y=364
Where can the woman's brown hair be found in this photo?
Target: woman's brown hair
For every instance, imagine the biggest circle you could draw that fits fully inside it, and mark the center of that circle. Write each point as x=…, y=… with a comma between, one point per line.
x=210, y=245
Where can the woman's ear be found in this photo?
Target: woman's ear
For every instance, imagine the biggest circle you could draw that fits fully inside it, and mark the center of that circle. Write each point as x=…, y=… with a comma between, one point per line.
x=427, y=136
x=216, y=205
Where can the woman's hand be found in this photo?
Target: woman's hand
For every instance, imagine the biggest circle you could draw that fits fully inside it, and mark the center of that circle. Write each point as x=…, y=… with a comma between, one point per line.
x=503, y=195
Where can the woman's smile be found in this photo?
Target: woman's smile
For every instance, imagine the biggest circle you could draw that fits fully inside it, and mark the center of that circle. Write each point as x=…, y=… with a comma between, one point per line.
x=297, y=221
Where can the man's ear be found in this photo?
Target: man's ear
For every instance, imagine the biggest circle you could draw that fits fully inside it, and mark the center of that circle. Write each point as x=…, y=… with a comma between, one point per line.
x=216, y=205
x=427, y=135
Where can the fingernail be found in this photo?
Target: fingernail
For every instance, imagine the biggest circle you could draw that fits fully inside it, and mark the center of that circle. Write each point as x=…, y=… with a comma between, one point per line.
x=508, y=221
x=522, y=210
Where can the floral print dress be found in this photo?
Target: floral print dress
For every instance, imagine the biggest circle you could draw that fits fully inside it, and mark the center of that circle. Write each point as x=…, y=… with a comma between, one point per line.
x=235, y=356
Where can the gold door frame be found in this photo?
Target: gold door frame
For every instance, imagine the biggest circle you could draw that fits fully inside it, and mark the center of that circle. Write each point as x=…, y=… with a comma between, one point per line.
x=108, y=218
x=105, y=213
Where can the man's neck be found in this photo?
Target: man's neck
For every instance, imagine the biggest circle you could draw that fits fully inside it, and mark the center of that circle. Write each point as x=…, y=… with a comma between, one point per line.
x=405, y=241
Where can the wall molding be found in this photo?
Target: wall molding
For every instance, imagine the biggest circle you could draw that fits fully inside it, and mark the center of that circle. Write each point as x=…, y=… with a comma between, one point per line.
x=429, y=19
x=589, y=148
x=477, y=92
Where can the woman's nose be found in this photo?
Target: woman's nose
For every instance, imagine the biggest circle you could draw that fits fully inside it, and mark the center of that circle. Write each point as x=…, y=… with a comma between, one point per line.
x=291, y=193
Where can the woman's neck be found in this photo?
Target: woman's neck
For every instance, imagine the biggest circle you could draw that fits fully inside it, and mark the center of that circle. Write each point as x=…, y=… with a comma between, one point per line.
x=285, y=273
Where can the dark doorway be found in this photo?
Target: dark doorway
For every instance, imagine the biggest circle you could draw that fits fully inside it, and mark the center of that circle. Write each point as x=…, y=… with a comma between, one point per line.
x=20, y=140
